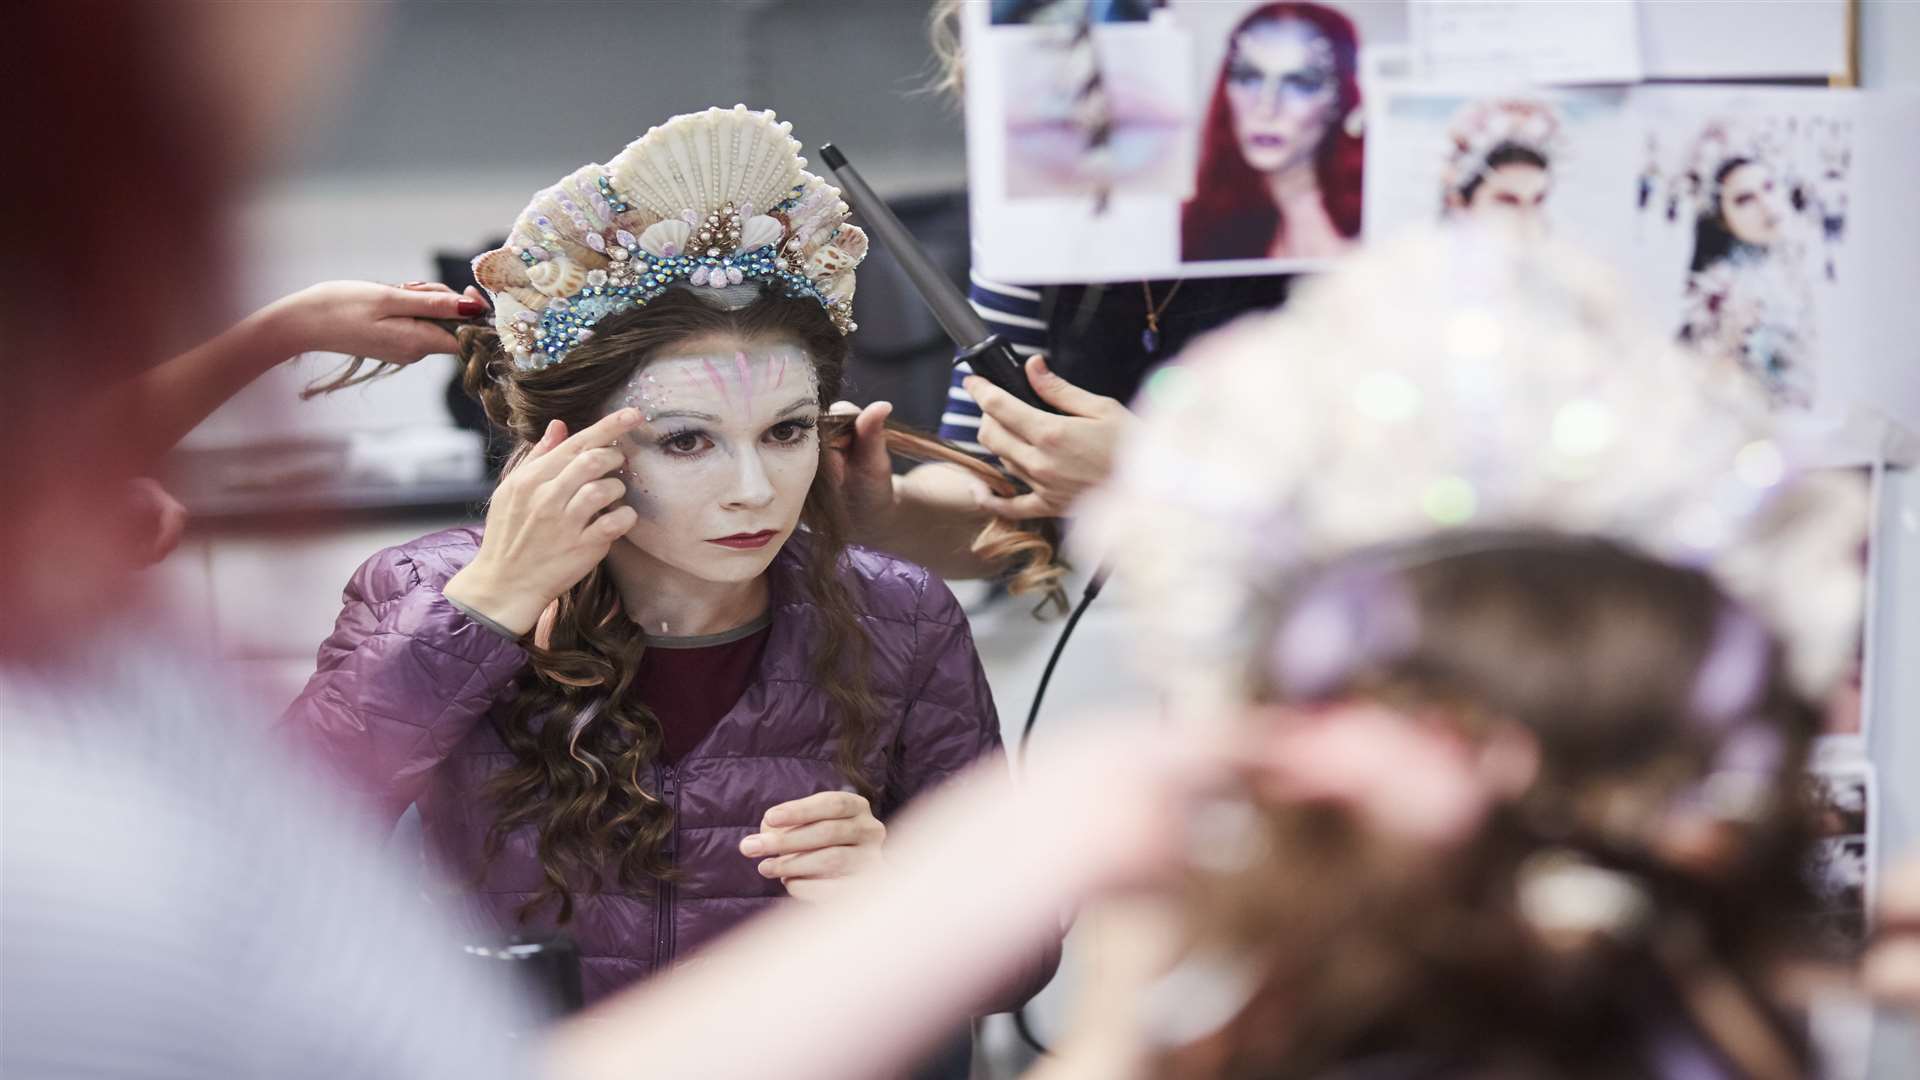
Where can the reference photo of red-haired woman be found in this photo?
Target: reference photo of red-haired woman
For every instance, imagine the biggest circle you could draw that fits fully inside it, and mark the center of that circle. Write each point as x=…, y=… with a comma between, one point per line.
x=1281, y=150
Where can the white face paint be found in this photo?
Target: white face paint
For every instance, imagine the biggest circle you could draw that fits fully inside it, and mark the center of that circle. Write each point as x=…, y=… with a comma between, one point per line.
x=1283, y=86
x=721, y=468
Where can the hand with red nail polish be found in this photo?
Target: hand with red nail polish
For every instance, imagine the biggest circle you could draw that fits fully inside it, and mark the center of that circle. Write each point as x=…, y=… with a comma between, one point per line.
x=395, y=324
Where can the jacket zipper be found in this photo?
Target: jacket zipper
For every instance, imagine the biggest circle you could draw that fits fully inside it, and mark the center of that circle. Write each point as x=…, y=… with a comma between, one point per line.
x=663, y=908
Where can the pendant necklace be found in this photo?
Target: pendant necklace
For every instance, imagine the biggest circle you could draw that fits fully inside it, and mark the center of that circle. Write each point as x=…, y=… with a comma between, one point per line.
x=1150, y=337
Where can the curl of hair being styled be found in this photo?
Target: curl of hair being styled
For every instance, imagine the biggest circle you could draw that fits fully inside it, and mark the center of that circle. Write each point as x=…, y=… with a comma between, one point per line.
x=1231, y=215
x=1599, y=653
x=582, y=740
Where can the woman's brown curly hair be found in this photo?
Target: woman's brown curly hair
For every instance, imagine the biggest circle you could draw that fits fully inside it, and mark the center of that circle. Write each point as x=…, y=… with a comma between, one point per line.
x=583, y=741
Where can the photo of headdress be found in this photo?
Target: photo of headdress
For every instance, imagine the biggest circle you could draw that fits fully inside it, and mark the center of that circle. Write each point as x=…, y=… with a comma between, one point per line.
x=718, y=202
x=1810, y=157
x=1482, y=127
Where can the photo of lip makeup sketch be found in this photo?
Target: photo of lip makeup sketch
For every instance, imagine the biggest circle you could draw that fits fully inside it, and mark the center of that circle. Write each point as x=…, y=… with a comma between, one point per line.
x=1097, y=114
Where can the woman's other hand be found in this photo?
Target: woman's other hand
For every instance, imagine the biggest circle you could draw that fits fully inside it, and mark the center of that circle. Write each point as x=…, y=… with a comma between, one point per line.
x=1058, y=456
x=549, y=524
x=364, y=318
x=813, y=844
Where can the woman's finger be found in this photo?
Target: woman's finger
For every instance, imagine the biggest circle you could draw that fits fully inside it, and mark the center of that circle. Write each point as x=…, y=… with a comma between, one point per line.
x=613, y=524
x=821, y=863
x=836, y=832
x=586, y=468
x=595, y=497
x=1008, y=411
x=599, y=435
x=403, y=340
x=1016, y=457
x=555, y=434
x=822, y=806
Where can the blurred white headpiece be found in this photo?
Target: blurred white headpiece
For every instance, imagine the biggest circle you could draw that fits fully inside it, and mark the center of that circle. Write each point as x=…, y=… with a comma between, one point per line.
x=719, y=202
x=1454, y=380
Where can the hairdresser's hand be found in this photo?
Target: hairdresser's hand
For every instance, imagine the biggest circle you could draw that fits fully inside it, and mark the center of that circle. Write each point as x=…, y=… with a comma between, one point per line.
x=859, y=463
x=549, y=523
x=363, y=318
x=1058, y=456
x=814, y=844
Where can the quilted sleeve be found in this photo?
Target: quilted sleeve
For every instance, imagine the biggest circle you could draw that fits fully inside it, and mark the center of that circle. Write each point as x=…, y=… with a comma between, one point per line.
x=403, y=678
x=950, y=721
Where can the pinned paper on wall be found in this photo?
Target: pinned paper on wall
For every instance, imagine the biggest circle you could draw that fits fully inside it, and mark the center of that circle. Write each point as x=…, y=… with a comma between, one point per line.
x=1522, y=41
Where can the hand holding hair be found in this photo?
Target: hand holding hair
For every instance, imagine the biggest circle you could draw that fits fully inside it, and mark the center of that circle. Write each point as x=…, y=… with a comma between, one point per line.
x=389, y=326
x=548, y=524
x=1058, y=457
x=858, y=443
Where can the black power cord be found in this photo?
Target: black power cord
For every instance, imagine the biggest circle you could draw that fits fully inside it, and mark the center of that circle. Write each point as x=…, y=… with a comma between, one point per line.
x=1094, y=584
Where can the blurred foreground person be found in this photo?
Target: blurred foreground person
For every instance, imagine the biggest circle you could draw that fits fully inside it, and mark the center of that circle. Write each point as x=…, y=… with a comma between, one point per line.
x=1492, y=635
x=173, y=901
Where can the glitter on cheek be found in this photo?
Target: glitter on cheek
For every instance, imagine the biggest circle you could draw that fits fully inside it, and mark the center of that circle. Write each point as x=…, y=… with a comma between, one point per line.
x=639, y=492
x=642, y=500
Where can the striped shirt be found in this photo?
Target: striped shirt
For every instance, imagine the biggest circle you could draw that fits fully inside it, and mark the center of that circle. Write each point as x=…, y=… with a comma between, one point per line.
x=1013, y=312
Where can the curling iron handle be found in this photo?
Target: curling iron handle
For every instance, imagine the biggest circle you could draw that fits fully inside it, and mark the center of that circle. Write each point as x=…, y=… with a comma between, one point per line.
x=995, y=361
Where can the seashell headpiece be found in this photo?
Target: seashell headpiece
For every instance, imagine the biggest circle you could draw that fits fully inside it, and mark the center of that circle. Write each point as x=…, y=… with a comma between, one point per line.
x=1482, y=127
x=718, y=201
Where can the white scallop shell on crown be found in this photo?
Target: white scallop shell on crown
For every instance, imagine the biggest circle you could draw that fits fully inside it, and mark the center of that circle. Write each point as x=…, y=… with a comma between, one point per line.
x=703, y=161
x=663, y=238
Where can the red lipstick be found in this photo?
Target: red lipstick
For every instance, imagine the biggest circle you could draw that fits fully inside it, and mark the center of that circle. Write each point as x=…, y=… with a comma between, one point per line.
x=746, y=541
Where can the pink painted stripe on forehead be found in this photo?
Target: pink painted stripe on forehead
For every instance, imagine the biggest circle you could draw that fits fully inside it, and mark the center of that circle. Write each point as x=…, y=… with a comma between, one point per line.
x=746, y=376
x=719, y=384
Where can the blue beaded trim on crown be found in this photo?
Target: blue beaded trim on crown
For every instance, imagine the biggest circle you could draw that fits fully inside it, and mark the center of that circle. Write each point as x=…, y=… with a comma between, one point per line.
x=566, y=322
x=633, y=276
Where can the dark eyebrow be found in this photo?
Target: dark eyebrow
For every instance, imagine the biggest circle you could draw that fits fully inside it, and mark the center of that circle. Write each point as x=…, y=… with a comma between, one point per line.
x=686, y=414
x=797, y=406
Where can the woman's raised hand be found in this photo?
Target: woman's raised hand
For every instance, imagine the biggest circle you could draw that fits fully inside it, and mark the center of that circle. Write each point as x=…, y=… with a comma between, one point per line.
x=549, y=523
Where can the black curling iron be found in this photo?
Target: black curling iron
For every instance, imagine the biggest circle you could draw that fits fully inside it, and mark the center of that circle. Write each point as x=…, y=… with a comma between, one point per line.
x=987, y=353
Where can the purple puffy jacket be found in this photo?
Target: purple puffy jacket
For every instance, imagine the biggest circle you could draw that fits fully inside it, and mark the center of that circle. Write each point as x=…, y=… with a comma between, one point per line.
x=400, y=708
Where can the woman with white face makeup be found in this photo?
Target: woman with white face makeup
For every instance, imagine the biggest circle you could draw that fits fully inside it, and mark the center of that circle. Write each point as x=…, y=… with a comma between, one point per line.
x=658, y=691
x=1279, y=174
x=1748, y=299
